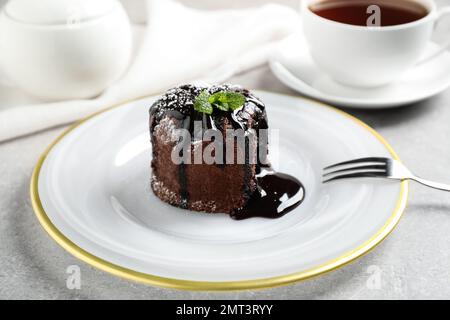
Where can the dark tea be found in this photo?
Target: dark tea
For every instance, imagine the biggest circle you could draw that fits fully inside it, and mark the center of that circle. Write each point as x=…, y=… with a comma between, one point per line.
x=354, y=12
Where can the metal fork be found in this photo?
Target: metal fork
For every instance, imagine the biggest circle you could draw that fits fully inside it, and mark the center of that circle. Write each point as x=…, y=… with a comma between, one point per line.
x=376, y=167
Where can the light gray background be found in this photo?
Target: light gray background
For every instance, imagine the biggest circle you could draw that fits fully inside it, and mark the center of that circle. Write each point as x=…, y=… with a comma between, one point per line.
x=414, y=261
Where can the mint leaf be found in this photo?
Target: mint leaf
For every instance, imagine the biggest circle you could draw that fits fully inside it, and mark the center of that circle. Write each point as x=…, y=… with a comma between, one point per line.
x=227, y=100
x=218, y=97
x=221, y=106
x=235, y=100
x=202, y=103
x=222, y=100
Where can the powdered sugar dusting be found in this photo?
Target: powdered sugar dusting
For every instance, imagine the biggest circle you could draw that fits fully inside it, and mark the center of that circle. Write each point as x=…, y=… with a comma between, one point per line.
x=169, y=196
x=204, y=206
x=163, y=192
x=166, y=130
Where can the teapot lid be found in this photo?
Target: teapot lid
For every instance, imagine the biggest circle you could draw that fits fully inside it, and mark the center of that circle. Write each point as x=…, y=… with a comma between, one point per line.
x=55, y=12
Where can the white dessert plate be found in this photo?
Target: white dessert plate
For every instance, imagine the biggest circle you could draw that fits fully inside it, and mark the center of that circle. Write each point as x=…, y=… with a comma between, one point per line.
x=90, y=191
x=293, y=65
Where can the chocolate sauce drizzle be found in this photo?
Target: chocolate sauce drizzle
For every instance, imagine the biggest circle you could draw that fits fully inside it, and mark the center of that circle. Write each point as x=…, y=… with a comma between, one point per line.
x=276, y=193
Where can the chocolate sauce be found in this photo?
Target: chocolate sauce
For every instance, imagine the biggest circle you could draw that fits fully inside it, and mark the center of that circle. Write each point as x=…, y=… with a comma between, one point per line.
x=276, y=195
x=178, y=103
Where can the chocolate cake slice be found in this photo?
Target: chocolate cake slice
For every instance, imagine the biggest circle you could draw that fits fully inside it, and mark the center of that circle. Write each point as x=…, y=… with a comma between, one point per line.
x=242, y=187
x=203, y=187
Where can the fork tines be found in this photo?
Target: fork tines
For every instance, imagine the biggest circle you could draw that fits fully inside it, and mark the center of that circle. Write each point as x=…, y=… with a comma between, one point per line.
x=370, y=167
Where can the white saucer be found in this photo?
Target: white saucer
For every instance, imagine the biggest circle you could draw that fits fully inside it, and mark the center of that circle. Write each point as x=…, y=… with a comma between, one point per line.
x=292, y=64
x=90, y=190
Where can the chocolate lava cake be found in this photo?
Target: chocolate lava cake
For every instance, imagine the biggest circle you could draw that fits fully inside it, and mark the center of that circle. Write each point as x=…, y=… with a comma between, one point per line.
x=214, y=188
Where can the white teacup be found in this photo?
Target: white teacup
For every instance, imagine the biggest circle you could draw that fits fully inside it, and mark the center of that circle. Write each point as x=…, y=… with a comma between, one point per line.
x=62, y=50
x=365, y=56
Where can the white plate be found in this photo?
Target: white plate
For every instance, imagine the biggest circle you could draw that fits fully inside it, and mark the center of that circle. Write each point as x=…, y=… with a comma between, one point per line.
x=91, y=192
x=292, y=64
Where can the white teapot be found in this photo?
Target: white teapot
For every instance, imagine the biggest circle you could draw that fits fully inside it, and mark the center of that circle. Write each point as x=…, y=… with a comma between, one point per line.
x=64, y=49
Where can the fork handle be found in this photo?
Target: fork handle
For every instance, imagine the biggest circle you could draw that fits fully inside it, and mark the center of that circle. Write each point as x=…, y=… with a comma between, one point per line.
x=432, y=184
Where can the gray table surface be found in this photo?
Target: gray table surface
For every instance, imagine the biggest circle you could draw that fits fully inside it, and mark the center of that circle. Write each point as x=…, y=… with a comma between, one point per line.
x=412, y=263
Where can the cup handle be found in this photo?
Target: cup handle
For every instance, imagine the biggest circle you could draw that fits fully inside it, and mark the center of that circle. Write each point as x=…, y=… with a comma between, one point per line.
x=441, y=14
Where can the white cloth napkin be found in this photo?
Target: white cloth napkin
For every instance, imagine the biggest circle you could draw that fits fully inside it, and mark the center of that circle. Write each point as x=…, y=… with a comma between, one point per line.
x=180, y=45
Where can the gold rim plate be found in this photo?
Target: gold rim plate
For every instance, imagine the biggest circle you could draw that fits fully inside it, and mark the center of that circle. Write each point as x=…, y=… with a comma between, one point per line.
x=149, y=279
